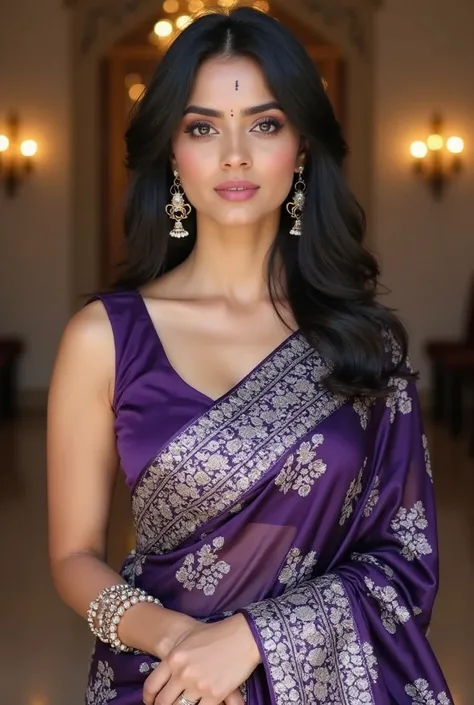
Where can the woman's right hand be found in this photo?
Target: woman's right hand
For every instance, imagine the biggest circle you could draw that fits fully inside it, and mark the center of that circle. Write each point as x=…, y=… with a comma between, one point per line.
x=178, y=627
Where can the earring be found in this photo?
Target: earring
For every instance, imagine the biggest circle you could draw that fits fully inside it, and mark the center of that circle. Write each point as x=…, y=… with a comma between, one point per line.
x=178, y=210
x=296, y=206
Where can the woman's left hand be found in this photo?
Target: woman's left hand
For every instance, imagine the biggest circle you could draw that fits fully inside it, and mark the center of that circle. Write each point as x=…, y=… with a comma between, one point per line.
x=208, y=664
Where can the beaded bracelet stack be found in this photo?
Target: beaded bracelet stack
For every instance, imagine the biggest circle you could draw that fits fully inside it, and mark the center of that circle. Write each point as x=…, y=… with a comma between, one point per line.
x=106, y=611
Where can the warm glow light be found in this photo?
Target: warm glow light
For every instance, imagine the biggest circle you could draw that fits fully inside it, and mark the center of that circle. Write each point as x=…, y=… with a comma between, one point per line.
x=262, y=5
x=455, y=145
x=153, y=39
x=195, y=6
x=28, y=148
x=183, y=21
x=163, y=28
x=4, y=143
x=226, y=3
x=419, y=150
x=132, y=78
x=135, y=92
x=171, y=6
x=435, y=142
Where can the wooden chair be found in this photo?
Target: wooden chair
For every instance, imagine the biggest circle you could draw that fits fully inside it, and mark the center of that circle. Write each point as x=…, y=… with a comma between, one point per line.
x=438, y=352
x=10, y=352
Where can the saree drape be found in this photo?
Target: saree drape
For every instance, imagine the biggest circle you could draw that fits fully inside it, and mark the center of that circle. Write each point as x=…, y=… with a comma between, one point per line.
x=310, y=513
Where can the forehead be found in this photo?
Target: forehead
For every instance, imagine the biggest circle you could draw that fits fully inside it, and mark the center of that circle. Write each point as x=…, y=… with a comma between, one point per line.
x=215, y=83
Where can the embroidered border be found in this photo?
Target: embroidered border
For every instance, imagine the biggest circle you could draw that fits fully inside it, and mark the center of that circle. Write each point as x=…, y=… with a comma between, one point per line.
x=312, y=647
x=208, y=466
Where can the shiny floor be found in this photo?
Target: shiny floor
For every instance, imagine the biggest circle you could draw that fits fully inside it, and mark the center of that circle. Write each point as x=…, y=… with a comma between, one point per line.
x=44, y=647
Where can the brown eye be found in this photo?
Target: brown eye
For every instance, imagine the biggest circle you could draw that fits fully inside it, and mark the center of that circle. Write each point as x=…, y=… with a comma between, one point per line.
x=269, y=126
x=199, y=129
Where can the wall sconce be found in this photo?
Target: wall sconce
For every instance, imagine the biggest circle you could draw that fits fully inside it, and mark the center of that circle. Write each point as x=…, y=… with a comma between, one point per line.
x=16, y=158
x=437, y=159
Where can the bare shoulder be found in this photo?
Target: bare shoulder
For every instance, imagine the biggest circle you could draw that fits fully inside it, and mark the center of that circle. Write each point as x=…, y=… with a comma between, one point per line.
x=89, y=329
x=87, y=346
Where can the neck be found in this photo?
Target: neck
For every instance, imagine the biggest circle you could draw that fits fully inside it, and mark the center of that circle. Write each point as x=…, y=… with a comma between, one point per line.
x=230, y=262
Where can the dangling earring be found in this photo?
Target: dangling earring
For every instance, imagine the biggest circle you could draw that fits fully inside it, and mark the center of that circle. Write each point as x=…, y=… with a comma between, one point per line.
x=296, y=206
x=178, y=210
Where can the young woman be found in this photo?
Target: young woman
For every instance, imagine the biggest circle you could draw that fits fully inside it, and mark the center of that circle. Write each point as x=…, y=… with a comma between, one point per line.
x=258, y=399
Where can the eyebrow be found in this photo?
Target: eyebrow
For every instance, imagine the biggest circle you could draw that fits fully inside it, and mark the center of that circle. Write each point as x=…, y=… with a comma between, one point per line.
x=209, y=112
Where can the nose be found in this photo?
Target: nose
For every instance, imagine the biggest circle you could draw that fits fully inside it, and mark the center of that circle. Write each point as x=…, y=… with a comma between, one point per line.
x=236, y=154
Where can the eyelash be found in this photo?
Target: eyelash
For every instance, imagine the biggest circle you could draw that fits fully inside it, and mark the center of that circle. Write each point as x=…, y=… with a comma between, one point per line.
x=275, y=122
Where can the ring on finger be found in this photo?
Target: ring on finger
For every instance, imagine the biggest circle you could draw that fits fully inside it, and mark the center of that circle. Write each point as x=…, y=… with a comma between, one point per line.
x=182, y=700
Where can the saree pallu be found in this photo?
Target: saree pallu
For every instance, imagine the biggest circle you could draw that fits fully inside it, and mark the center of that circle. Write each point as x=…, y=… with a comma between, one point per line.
x=312, y=515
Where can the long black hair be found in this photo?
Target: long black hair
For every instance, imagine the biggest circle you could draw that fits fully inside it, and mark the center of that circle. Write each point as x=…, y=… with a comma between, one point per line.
x=332, y=280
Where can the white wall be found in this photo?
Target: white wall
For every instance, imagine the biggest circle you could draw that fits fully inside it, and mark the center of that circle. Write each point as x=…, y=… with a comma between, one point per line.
x=425, y=61
x=35, y=228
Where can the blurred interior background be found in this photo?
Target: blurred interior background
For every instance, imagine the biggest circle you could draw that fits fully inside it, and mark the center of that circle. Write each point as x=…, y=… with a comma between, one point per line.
x=400, y=76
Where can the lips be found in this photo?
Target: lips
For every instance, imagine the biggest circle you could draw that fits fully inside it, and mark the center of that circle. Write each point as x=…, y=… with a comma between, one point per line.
x=237, y=186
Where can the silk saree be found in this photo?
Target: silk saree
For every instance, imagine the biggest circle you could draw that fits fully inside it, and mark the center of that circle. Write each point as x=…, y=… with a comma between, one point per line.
x=312, y=515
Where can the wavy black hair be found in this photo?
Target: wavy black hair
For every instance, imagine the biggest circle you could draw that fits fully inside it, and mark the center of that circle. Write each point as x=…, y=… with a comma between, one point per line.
x=332, y=279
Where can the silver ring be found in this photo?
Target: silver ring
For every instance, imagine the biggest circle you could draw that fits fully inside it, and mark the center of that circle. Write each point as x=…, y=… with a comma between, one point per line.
x=184, y=701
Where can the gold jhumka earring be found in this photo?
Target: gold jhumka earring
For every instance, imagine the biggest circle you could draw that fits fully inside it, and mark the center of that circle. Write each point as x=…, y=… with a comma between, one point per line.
x=178, y=210
x=296, y=207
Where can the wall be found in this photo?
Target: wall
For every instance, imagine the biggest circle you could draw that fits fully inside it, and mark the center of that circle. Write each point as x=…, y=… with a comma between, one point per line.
x=425, y=61
x=35, y=229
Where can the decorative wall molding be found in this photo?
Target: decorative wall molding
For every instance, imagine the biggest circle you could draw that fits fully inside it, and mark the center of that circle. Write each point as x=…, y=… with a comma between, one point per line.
x=110, y=12
x=348, y=14
x=351, y=15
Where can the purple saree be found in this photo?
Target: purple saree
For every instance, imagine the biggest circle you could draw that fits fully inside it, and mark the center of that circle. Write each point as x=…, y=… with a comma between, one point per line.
x=311, y=514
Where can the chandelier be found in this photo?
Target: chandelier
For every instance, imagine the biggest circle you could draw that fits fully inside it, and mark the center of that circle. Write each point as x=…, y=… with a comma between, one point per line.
x=178, y=14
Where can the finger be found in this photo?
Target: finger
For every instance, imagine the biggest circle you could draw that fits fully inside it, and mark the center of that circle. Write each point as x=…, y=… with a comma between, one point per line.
x=235, y=698
x=191, y=696
x=169, y=694
x=155, y=682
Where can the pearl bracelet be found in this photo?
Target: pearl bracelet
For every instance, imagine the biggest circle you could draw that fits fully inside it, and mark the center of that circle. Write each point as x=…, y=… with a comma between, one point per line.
x=106, y=611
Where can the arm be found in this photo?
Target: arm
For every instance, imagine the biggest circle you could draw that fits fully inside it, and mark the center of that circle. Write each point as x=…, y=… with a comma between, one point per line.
x=357, y=633
x=82, y=468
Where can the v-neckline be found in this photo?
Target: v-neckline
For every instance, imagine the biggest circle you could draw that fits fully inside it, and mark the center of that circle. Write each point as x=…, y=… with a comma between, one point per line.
x=180, y=378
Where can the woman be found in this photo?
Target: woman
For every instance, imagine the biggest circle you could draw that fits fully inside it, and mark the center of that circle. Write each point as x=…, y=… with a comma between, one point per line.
x=258, y=399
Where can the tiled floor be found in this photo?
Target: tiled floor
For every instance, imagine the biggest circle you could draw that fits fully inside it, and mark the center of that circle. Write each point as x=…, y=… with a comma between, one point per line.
x=44, y=647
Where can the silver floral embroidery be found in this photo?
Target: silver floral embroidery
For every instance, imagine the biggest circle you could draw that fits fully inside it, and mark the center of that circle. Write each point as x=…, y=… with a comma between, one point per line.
x=362, y=406
x=398, y=400
x=408, y=527
x=372, y=560
x=427, y=457
x=371, y=661
x=301, y=473
x=417, y=611
x=315, y=622
x=352, y=495
x=209, y=570
x=133, y=567
x=297, y=568
x=421, y=694
x=210, y=464
x=373, y=498
x=146, y=667
x=244, y=691
x=99, y=690
x=392, y=612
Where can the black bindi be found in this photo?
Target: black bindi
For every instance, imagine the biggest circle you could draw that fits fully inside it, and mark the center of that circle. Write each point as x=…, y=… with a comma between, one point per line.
x=231, y=113
x=236, y=85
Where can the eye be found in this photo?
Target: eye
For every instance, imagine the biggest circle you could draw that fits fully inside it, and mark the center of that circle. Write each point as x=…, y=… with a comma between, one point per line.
x=199, y=129
x=269, y=125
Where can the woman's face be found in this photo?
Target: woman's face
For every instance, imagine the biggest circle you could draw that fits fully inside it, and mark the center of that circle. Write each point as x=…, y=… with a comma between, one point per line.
x=235, y=150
